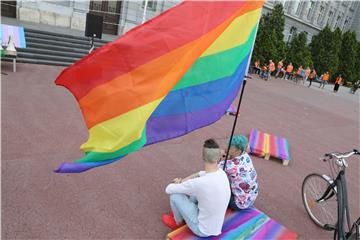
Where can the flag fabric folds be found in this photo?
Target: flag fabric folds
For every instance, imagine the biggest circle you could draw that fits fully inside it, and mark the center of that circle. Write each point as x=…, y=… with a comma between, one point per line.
x=177, y=72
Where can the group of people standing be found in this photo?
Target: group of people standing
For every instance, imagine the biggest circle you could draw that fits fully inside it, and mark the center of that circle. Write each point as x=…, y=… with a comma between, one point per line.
x=288, y=73
x=201, y=199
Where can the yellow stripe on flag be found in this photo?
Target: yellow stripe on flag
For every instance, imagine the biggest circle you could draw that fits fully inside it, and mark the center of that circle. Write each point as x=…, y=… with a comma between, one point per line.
x=120, y=131
x=237, y=33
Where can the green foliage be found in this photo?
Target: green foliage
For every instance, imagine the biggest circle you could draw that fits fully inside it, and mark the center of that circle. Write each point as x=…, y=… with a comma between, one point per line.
x=357, y=64
x=298, y=51
x=347, y=57
x=330, y=51
x=325, y=49
x=269, y=42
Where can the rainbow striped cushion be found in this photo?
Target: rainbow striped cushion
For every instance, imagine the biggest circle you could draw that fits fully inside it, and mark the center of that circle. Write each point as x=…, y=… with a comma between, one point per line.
x=246, y=224
x=258, y=143
x=279, y=147
x=261, y=144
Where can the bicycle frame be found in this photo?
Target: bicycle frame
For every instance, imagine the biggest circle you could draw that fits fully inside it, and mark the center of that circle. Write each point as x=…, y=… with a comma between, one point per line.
x=338, y=187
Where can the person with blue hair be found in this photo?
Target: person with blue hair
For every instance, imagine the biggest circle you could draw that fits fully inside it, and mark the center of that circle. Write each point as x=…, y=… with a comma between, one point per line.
x=241, y=174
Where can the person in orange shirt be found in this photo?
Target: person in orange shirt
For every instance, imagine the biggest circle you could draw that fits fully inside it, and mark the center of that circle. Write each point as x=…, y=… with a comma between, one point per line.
x=307, y=73
x=264, y=72
x=312, y=76
x=289, y=70
x=279, y=68
x=300, y=74
x=271, y=68
x=325, y=79
x=257, y=67
x=337, y=82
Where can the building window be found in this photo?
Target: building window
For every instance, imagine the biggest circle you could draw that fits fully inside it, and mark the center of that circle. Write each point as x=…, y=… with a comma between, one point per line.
x=346, y=24
x=338, y=20
x=292, y=33
x=353, y=5
x=329, y=18
x=299, y=7
x=311, y=8
x=151, y=5
x=286, y=6
x=321, y=14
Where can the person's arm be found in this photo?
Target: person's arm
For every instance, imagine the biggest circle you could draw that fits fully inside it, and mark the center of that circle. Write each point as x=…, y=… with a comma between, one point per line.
x=186, y=187
x=192, y=176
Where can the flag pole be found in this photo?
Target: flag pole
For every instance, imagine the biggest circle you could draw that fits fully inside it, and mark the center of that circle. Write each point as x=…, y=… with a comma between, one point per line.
x=241, y=95
x=145, y=9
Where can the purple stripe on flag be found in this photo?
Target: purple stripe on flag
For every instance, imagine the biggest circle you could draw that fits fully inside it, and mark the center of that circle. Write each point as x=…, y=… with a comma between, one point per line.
x=167, y=127
x=16, y=37
x=5, y=34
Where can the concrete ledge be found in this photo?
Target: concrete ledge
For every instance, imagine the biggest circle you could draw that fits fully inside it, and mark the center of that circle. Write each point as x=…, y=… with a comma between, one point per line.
x=62, y=21
x=47, y=17
x=30, y=15
x=78, y=23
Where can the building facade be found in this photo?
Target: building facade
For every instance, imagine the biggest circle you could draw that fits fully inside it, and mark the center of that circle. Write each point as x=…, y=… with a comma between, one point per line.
x=120, y=16
x=312, y=16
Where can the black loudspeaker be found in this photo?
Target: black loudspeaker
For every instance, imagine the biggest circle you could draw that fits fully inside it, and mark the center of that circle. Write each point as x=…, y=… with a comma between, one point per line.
x=94, y=25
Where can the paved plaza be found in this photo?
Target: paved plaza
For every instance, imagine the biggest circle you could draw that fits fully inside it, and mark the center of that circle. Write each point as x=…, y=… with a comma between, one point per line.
x=42, y=127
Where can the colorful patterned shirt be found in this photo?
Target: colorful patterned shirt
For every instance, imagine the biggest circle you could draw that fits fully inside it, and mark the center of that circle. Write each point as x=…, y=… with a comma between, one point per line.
x=243, y=180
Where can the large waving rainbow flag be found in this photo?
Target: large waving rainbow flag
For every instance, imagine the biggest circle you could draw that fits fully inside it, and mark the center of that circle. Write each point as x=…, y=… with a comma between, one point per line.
x=177, y=72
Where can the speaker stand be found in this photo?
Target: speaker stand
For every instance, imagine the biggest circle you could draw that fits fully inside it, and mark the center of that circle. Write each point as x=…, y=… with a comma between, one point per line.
x=92, y=43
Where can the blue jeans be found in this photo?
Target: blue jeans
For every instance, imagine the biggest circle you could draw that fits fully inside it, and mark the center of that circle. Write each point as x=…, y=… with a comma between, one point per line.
x=185, y=208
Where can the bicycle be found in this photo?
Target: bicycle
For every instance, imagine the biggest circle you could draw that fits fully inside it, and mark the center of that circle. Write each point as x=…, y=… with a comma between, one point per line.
x=325, y=198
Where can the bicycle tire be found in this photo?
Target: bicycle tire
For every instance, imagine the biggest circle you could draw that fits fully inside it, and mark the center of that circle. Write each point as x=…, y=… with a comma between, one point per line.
x=323, y=214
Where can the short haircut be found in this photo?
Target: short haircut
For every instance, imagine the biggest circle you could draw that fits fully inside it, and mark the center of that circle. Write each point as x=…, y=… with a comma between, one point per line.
x=211, y=151
x=210, y=143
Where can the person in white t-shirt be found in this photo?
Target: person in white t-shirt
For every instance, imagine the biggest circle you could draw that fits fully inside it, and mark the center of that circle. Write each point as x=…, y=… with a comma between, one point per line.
x=201, y=199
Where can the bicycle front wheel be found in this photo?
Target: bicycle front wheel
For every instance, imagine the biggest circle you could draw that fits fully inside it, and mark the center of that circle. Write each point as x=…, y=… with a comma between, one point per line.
x=324, y=212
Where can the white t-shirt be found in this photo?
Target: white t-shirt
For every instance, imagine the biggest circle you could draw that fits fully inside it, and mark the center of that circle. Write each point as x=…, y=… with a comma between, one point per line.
x=212, y=190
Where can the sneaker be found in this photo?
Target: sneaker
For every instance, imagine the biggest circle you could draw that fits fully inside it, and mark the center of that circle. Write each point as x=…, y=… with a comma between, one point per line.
x=170, y=221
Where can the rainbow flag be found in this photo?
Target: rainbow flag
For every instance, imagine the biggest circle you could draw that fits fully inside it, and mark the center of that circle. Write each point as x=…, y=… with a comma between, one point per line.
x=177, y=72
x=249, y=223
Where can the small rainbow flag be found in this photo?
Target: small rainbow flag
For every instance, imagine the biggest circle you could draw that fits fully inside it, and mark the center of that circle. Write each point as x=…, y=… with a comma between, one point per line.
x=177, y=72
x=16, y=31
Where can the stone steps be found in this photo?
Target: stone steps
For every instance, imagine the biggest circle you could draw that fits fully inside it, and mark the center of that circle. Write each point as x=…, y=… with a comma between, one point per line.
x=52, y=48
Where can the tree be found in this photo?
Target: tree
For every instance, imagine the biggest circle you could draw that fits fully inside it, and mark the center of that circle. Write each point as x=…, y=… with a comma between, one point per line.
x=325, y=49
x=269, y=42
x=357, y=63
x=299, y=52
x=347, y=56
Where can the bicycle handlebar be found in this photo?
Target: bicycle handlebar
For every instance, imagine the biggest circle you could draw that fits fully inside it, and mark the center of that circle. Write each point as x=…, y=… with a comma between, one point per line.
x=342, y=155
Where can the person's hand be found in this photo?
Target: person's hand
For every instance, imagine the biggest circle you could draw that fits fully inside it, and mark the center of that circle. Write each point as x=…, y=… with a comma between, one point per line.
x=177, y=180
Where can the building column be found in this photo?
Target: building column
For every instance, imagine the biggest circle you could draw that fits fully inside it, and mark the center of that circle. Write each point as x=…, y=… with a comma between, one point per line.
x=78, y=18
